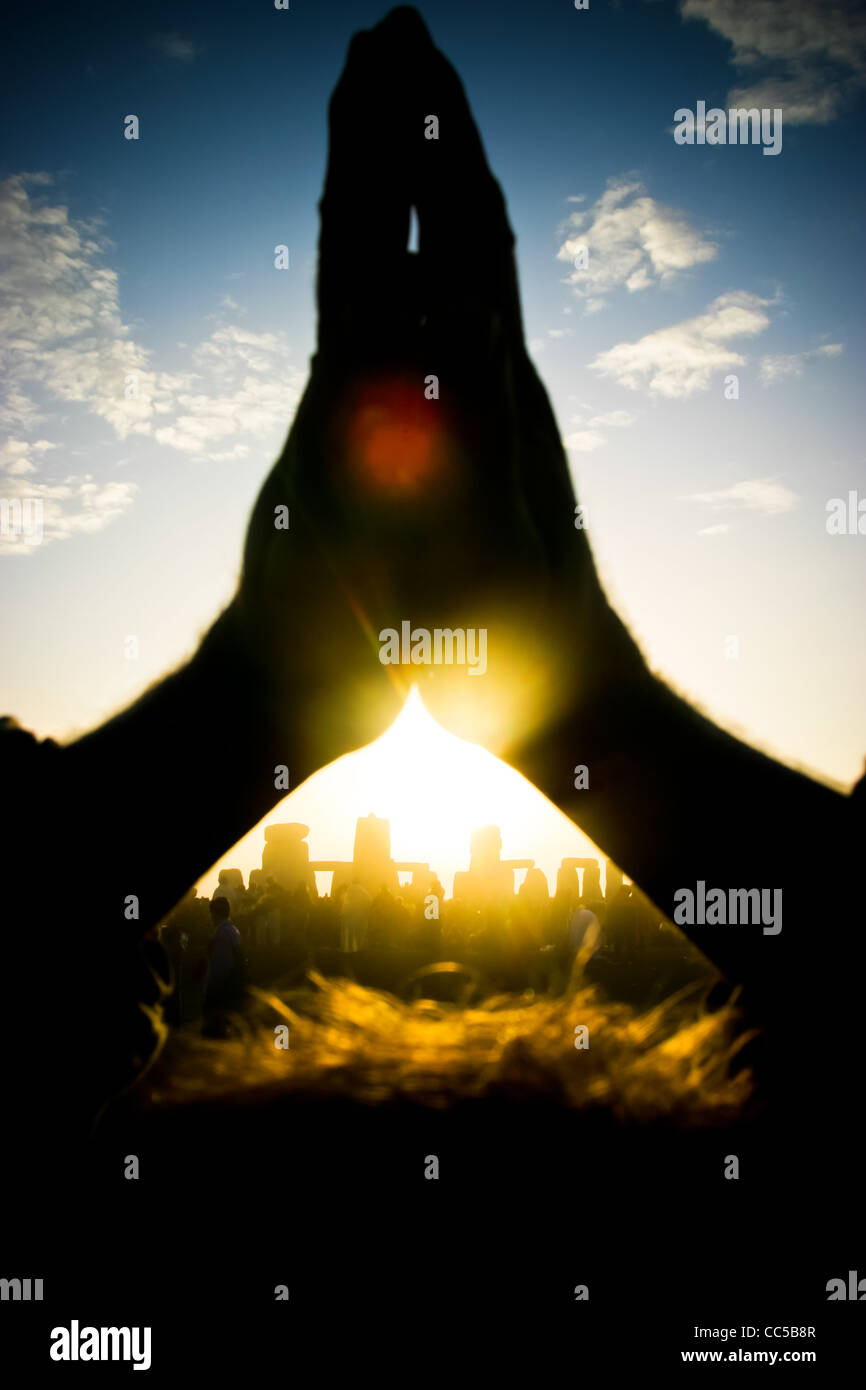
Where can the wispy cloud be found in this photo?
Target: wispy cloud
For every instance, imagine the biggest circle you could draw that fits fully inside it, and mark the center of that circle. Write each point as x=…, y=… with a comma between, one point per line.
x=584, y=441
x=64, y=333
x=614, y=419
x=765, y=495
x=68, y=506
x=63, y=330
x=629, y=240
x=537, y=345
x=679, y=360
x=589, y=437
x=252, y=392
x=809, y=59
x=65, y=341
x=775, y=369
x=16, y=456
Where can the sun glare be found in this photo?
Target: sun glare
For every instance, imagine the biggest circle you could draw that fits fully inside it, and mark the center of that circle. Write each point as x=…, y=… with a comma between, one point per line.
x=435, y=789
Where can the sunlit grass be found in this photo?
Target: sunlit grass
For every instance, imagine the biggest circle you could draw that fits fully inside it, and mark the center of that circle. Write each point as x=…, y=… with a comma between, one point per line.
x=348, y=1041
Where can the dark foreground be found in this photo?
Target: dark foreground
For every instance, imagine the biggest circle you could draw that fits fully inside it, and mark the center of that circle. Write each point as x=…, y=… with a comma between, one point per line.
x=396, y=1273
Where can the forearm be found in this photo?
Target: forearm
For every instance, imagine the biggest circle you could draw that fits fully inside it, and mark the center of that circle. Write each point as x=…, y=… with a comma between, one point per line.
x=673, y=799
x=160, y=791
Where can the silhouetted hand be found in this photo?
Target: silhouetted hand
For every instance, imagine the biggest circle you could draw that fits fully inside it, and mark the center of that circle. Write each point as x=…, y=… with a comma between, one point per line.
x=424, y=475
x=439, y=503
x=429, y=487
x=443, y=504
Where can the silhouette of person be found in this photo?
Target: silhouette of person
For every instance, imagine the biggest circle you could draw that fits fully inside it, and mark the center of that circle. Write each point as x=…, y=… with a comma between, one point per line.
x=581, y=920
x=354, y=917
x=225, y=970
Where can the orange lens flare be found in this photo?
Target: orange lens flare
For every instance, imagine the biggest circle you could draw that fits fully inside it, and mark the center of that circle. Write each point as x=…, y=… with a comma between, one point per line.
x=396, y=438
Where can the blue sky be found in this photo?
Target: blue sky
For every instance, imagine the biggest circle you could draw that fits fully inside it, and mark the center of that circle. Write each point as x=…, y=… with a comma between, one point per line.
x=155, y=258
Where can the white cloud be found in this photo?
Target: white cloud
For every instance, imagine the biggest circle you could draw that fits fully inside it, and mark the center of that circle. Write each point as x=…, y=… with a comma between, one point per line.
x=74, y=505
x=62, y=325
x=589, y=437
x=15, y=460
x=765, y=495
x=614, y=419
x=238, y=451
x=630, y=240
x=809, y=59
x=17, y=410
x=64, y=338
x=679, y=360
x=720, y=529
x=64, y=332
x=65, y=506
x=584, y=441
x=253, y=391
x=775, y=369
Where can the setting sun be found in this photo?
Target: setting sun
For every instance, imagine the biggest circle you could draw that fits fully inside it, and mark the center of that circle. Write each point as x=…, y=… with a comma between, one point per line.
x=435, y=789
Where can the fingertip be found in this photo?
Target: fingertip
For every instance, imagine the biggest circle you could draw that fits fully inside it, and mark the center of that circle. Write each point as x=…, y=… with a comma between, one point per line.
x=395, y=36
x=403, y=23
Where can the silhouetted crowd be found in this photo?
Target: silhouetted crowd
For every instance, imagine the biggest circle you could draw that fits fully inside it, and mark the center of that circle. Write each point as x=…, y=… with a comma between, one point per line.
x=495, y=939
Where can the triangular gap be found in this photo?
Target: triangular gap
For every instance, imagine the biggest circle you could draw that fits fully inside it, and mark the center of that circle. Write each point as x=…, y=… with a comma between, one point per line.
x=414, y=231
